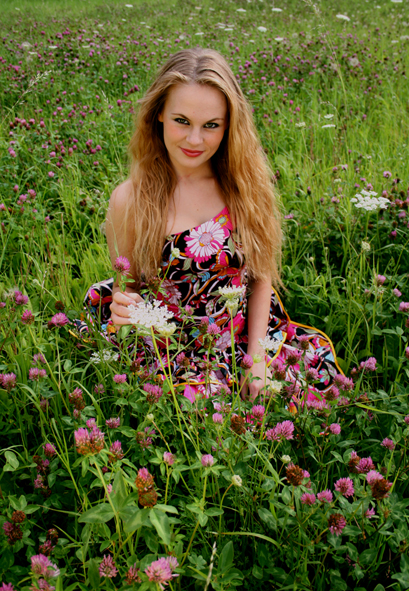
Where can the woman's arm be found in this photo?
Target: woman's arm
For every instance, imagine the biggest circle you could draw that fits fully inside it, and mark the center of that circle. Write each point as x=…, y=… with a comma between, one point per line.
x=258, y=311
x=120, y=244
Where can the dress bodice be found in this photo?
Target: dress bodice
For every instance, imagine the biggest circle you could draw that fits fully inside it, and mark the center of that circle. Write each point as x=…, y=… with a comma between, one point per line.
x=196, y=263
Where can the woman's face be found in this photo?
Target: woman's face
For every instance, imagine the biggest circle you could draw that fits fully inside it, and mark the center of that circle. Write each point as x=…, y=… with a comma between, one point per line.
x=194, y=120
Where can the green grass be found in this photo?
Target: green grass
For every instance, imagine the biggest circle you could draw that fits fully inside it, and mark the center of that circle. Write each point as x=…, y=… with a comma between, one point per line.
x=330, y=282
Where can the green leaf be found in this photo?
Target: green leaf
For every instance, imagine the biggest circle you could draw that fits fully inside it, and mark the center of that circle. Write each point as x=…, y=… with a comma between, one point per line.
x=379, y=587
x=93, y=574
x=368, y=556
x=257, y=572
x=167, y=508
x=124, y=331
x=118, y=494
x=140, y=517
x=12, y=462
x=31, y=509
x=226, y=558
x=160, y=522
x=213, y=511
x=267, y=517
x=99, y=514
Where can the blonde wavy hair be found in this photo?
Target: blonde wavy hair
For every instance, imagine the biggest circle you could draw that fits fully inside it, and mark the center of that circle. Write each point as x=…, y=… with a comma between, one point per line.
x=239, y=165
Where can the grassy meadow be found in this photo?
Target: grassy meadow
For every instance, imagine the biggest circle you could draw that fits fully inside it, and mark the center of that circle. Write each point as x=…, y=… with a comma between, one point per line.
x=328, y=84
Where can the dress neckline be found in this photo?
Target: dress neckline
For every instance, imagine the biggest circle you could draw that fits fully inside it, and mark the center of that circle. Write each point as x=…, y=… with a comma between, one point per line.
x=198, y=226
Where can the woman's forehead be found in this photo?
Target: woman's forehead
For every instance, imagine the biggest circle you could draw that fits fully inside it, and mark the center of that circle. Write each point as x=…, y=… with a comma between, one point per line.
x=197, y=99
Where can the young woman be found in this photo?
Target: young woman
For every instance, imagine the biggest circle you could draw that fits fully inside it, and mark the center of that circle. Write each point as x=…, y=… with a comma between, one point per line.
x=200, y=205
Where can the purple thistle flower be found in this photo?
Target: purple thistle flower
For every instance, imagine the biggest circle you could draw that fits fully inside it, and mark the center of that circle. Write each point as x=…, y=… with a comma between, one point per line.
x=369, y=513
x=312, y=375
x=27, y=317
x=247, y=362
x=49, y=450
x=365, y=465
x=308, y=499
x=258, y=412
x=173, y=563
x=120, y=378
x=113, y=423
x=168, y=458
x=335, y=428
x=336, y=523
x=368, y=365
x=387, y=174
x=396, y=292
x=122, y=265
x=59, y=319
x=404, y=307
x=380, y=279
x=343, y=383
x=159, y=572
x=213, y=329
x=325, y=496
x=42, y=566
x=207, y=461
x=39, y=358
x=372, y=476
x=407, y=352
x=107, y=567
x=116, y=451
x=7, y=587
x=217, y=418
x=284, y=430
x=345, y=486
x=132, y=576
x=406, y=419
x=9, y=381
x=99, y=389
x=388, y=443
x=36, y=374
x=20, y=299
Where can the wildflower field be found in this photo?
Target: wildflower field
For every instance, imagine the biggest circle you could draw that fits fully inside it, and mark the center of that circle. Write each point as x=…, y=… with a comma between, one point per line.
x=110, y=478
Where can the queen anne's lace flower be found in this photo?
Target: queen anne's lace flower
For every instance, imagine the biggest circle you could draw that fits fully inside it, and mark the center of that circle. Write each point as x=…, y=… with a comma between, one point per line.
x=369, y=201
x=149, y=314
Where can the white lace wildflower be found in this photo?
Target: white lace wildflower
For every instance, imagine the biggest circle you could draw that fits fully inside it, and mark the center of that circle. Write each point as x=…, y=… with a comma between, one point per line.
x=236, y=480
x=262, y=29
x=167, y=330
x=269, y=344
x=328, y=125
x=175, y=253
x=343, y=17
x=232, y=293
x=277, y=9
x=275, y=387
x=300, y=124
x=329, y=116
x=369, y=201
x=366, y=247
x=150, y=417
x=107, y=355
x=147, y=314
x=285, y=459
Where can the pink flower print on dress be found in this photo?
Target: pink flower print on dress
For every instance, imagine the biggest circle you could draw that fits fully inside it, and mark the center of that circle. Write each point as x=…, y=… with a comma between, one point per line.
x=204, y=241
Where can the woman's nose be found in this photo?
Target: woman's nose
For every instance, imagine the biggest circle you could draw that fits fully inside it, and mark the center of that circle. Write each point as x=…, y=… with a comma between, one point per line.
x=194, y=136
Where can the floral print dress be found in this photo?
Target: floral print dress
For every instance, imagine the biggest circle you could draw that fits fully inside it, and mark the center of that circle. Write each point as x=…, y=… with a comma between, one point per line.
x=196, y=263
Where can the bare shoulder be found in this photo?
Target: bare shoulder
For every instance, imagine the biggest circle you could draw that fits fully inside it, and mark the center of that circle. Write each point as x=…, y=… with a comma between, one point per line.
x=119, y=198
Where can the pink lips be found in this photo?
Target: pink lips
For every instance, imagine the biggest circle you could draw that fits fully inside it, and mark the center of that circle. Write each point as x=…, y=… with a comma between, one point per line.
x=191, y=153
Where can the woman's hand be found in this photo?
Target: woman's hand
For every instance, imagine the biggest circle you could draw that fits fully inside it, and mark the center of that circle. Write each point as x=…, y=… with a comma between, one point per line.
x=119, y=306
x=259, y=370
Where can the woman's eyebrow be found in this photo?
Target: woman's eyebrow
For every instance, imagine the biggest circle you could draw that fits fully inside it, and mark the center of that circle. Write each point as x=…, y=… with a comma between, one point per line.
x=187, y=118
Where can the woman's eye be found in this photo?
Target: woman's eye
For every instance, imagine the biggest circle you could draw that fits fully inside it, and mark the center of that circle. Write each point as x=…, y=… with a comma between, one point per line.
x=180, y=120
x=214, y=125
